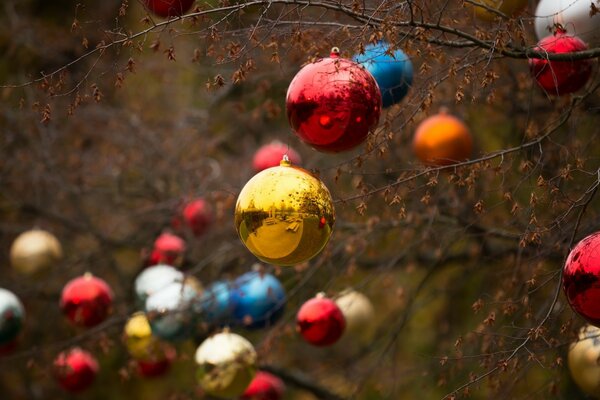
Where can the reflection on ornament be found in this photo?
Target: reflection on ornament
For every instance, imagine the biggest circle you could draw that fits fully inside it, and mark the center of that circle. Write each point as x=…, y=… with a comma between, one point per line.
x=583, y=360
x=393, y=73
x=12, y=318
x=86, y=300
x=581, y=278
x=320, y=321
x=34, y=251
x=196, y=216
x=259, y=300
x=572, y=15
x=153, y=279
x=226, y=364
x=558, y=78
x=216, y=305
x=333, y=103
x=279, y=214
x=75, y=369
x=168, y=249
x=169, y=8
x=264, y=386
x=359, y=315
x=271, y=154
x=506, y=7
x=442, y=139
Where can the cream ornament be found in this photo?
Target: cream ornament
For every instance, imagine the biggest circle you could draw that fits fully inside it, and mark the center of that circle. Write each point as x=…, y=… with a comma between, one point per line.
x=359, y=314
x=34, y=251
x=584, y=360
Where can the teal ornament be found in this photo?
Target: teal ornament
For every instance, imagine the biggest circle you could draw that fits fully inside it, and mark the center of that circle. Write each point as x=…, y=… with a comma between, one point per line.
x=216, y=305
x=12, y=317
x=259, y=300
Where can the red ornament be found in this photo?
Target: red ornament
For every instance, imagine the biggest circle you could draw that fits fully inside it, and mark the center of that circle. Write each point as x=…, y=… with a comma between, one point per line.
x=168, y=249
x=333, y=103
x=86, y=300
x=581, y=278
x=196, y=215
x=270, y=155
x=560, y=77
x=264, y=386
x=169, y=8
x=153, y=368
x=75, y=369
x=320, y=321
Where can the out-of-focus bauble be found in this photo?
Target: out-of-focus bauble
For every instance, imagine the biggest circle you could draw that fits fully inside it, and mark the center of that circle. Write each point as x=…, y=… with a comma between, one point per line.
x=86, y=300
x=393, y=72
x=320, y=321
x=259, y=300
x=171, y=310
x=264, y=386
x=226, y=365
x=581, y=278
x=333, y=103
x=583, y=360
x=216, y=305
x=140, y=342
x=167, y=249
x=359, y=315
x=558, y=78
x=506, y=7
x=154, y=278
x=12, y=318
x=169, y=8
x=572, y=15
x=284, y=215
x=196, y=216
x=442, y=139
x=153, y=368
x=75, y=369
x=34, y=251
x=271, y=154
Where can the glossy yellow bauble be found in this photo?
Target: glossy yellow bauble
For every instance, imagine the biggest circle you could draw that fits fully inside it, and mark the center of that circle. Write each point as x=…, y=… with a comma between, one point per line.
x=359, y=314
x=284, y=215
x=34, y=251
x=139, y=340
x=584, y=360
x=507, y=7
x=226, y=365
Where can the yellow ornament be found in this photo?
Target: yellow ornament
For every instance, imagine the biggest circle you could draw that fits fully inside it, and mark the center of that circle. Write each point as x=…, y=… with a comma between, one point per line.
x=507, y=7
x=139, y=340
x=35, y=250
x=284, y=215
x=226, y=365
x=584, y=360
x=359, y=314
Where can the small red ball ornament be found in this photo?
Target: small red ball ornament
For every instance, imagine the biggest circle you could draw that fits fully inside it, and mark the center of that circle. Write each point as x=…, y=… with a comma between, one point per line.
x=168, y=249
x=271, y=154
x=560, y=77
x=320, y=321
x=196, y=216
x=86, y=300
x=264, y=386
x=581, y=278
x=155, y=367
x=75, y=370
x=333, y=103
x=169, y=8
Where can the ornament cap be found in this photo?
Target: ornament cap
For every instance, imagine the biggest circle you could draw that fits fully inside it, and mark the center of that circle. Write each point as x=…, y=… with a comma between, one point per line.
x=285, y=161
x=320, y=295
x=444, y=110
x=335, y=52
x=88, y=275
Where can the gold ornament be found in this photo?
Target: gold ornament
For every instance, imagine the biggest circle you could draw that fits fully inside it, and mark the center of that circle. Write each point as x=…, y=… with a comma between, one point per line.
x=583, y=360
x=226, y=364
x=35, y=250
x=359, y=314
x=284, y=215
x=139, y=340
x=507, y=7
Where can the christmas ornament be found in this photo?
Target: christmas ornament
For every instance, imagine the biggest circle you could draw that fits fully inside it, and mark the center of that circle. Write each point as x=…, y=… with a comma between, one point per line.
x=560, y=77
x=169, y=8
x=170, y=310
x=226, y=364
x=75, y=369
x=138, y=337
x=583, y=360
x=34, y=251
x=12, y=319
x=154, y=368
x=573, y=15
x=86, y=300
x=393, y=72
x=196, y=216
x=153, y=279
x=271, y=154
x=168, y=249
x=259, y=300
x=581, y=278
x=359, y=315
x=284, y=215
x=506, y=7
x=442, y=139
x=320, y=321
x=216, y=305
x=264, y=386
x=333, y=103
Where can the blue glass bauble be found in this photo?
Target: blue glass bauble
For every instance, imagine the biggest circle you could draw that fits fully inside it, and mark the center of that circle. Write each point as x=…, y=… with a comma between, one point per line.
x=12, y=316
x=393, y=73
x=216, y=304
x=259, y=300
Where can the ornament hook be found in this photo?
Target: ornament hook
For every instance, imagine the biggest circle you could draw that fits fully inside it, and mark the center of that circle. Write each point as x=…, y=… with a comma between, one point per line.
x=335, y=52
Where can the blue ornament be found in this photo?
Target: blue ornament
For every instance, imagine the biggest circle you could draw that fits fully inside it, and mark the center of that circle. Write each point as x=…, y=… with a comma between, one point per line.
x=259, y=300
x=394, y=74
x=216, y=304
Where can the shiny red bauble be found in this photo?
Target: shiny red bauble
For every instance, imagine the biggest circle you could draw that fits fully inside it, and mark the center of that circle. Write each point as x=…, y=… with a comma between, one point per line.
x=271, y=154
x=333, y=103
x=167, y=249
x=86, y=300
x=581, y=278
x=75, y=369
x=320, y=321
x=169, y=8
x=153, y=368
x=560, y=77
x=196, y=216
x=264, y=386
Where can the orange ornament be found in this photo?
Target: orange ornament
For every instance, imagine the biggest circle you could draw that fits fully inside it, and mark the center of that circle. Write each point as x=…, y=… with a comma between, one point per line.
x=442, y=139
